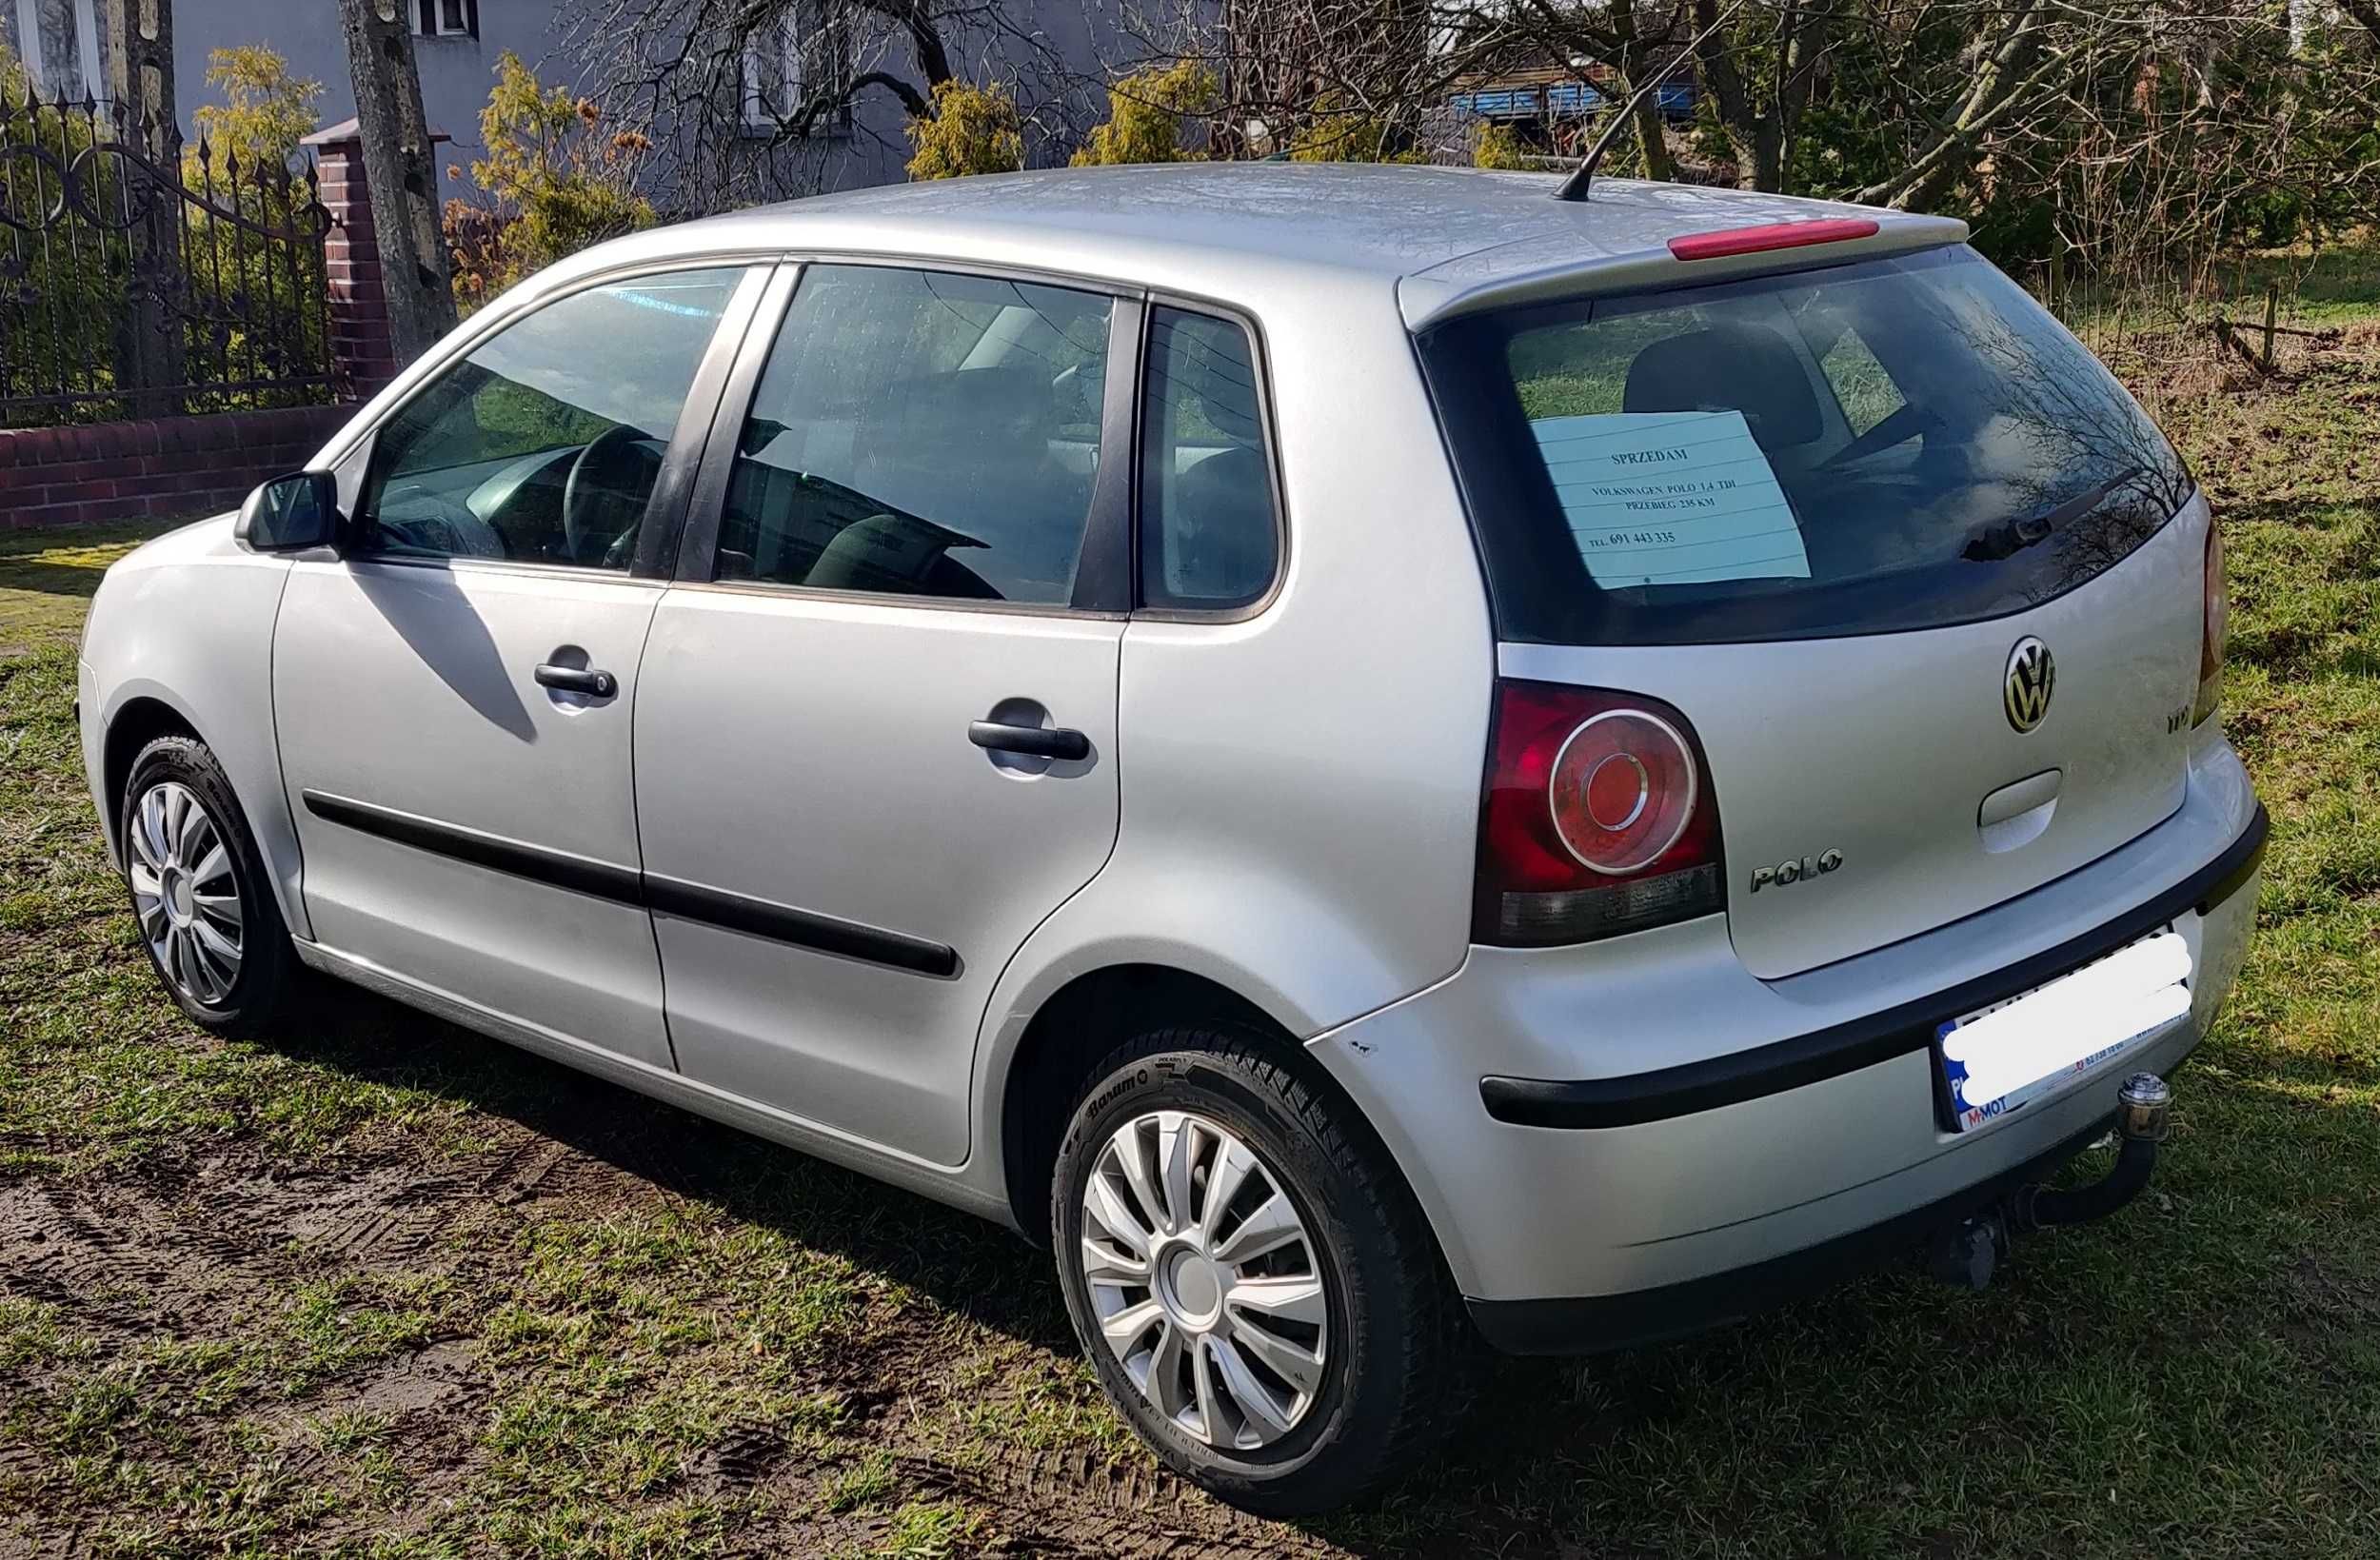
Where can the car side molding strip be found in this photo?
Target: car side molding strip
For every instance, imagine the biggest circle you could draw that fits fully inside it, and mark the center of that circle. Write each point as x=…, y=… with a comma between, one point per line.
x=579, y=874
x=642, y=890
x=803, y=928
x=1671, y=1092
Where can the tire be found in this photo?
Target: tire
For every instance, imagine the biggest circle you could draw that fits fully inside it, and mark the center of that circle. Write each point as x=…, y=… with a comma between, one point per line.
x=1278, y=1434
x=178, y=803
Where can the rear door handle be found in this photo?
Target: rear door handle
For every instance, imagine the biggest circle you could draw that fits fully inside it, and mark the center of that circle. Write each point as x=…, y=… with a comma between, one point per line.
x=577, y=680
x=1059, y=742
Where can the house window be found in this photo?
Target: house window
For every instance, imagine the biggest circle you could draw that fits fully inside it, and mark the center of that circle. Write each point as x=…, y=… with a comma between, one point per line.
x=795, y=51
x=771, y=74
x=57, y=44
x=446, y=18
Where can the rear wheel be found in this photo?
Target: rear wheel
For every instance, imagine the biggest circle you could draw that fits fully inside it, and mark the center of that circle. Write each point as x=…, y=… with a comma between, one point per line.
x=199, y=893
x=1253, y=1282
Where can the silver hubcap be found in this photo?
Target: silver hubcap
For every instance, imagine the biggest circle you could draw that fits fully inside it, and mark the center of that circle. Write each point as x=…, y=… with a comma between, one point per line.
x=184, y=893
x=1204, y=1281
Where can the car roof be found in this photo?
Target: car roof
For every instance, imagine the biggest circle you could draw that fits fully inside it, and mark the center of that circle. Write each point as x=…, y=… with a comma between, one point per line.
x=1449, y=237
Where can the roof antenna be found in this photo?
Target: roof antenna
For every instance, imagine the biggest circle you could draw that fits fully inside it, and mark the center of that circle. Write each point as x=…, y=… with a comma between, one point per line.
x=1575, y=188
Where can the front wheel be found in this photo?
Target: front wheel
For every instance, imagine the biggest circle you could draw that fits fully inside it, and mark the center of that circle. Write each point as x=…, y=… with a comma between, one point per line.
x=206, y=914
x=1252, y=1280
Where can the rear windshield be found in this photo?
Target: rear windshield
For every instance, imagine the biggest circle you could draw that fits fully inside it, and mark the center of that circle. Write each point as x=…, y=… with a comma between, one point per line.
x=1898, y=443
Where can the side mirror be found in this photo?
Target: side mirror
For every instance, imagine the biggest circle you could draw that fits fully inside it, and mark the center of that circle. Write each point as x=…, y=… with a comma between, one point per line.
x=292, y=513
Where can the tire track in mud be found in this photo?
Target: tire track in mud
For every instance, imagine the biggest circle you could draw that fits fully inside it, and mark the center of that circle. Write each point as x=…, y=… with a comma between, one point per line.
x=1073, y=1503
x=168, y=1251
x=393, y=1217
x=1040, y=1503
x=189, y=1230
x=120, y=1260
x=745, y=1454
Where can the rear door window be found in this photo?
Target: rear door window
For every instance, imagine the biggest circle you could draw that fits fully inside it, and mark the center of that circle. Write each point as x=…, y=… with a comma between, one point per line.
x=1209, y=541
x=922, y=433
x=1884, y=445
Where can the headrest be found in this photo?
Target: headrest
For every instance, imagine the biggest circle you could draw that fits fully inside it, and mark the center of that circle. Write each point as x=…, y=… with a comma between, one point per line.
x=982, y=404
x=1728, y=367
x=1236, y=477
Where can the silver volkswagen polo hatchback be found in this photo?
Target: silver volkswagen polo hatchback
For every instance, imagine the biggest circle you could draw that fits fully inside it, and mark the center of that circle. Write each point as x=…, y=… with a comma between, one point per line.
x=1380, y=759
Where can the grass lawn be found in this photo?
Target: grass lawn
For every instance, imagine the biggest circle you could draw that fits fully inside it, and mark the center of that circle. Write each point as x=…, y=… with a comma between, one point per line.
x=382, y=1287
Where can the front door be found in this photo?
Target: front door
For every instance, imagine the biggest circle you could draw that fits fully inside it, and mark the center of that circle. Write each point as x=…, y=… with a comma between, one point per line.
x=876, y=736
x=453, y=694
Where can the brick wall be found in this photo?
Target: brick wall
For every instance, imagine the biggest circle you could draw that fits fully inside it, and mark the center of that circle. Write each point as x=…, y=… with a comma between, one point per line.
x=158, y=469
x=361, y=344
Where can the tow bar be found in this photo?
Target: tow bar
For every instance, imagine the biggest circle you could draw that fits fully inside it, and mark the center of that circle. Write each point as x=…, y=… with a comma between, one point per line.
x=1967, y=1255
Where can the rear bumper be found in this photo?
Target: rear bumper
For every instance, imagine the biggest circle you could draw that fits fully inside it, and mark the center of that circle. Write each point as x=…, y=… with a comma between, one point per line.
x=1859, y=1043
x=1598, y=1324
x=1637, y=1137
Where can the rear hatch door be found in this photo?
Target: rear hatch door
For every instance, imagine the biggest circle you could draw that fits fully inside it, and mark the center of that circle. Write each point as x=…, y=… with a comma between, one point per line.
x=1924, y=579
x=1895, y=756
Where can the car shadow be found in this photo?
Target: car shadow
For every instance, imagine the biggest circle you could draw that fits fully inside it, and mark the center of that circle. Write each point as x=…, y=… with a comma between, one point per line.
x=1518, y=1473
x=965, y=1265
x=440, y=625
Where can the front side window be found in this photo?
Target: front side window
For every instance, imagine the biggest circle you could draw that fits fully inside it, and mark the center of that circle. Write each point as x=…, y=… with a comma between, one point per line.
x=544, y=441
x=1208, y=538
x=1870, y=447
x=918, y=433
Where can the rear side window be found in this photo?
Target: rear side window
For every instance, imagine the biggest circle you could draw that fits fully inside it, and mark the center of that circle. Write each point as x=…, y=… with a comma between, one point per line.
x=1208, y=537
x=919, y=433
x=1892, y=445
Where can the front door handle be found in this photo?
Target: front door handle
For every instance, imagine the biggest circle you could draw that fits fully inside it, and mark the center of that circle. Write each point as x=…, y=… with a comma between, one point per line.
x=1059, y=742
x=577, y=680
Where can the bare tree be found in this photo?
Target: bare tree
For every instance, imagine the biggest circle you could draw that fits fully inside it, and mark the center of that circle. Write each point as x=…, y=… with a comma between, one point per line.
x=1762, y=113
x=2145, y=131
x=747, y=99
x=2126, y=127
x=399, y=173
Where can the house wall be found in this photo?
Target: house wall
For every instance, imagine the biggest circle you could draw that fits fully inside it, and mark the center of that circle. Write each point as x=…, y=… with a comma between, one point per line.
x=456, y=72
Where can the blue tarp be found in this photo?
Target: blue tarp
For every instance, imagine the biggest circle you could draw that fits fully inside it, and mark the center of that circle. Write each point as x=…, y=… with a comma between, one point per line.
x=1563, y=100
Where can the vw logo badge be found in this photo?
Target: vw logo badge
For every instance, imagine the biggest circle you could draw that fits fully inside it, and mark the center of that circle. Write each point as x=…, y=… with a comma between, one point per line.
x=2032, y=678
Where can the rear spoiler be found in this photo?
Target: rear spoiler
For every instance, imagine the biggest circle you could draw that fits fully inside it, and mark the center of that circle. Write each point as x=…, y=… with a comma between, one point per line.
x=1537, y=269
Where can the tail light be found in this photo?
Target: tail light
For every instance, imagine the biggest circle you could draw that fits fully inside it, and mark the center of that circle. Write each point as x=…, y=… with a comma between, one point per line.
x=1599, y=819
x=2216, y=629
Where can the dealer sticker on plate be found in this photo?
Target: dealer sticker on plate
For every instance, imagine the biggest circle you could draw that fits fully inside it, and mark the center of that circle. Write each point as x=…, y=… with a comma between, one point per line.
x=1996, y=1059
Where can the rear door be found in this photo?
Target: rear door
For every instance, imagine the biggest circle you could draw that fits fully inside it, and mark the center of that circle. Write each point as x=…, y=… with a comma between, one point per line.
x=876, y=736
x=1923, y=578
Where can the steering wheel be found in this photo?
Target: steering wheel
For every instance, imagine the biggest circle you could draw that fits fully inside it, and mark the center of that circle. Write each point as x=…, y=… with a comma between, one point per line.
x=603, y=498
x=436, y=524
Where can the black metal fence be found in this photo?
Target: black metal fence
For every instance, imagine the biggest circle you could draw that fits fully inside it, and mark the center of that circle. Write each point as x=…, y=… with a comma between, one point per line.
x=141, y=278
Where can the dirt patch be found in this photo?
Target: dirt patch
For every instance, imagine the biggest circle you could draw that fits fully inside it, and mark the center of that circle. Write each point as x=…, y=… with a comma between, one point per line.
x=1069, y=1503
x=121, y=1259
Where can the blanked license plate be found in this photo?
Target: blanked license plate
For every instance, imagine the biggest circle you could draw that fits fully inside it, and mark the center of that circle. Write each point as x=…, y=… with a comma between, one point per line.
x=1998, y=1058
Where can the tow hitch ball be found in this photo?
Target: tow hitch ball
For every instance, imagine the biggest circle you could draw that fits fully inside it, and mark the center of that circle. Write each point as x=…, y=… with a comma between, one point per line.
x=1967, y=1255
